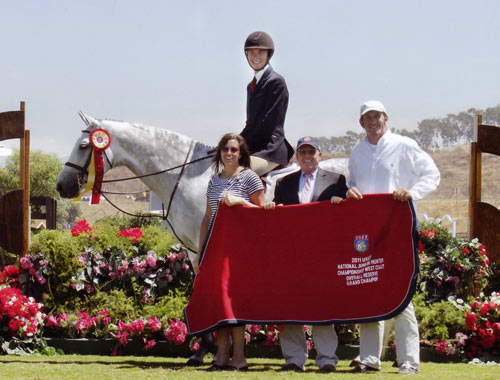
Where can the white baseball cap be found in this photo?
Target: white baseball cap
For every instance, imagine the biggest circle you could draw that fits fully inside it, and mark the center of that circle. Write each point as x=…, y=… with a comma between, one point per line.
x=372, y=105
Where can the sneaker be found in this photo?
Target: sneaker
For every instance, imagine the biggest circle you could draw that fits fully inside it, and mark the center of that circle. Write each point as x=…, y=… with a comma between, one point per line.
x=407, y=369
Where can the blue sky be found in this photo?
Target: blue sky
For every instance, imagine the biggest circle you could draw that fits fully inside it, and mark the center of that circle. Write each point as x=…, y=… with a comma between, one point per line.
x=180, y=65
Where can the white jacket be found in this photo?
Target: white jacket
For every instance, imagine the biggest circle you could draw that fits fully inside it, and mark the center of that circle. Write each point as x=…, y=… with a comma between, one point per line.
x=395, y=162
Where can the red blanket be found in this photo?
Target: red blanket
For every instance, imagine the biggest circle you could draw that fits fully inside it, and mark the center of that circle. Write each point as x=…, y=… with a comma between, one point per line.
x=309, y=264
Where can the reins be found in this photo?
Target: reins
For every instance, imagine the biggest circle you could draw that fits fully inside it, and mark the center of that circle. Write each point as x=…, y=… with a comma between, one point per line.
x=164, y=215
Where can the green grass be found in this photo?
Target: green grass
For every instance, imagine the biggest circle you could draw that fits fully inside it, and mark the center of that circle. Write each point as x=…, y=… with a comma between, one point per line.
x=79, y=367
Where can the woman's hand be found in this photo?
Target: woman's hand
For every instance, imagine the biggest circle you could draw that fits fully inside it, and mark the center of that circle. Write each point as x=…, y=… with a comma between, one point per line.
x=232, y=200
x=335, y=199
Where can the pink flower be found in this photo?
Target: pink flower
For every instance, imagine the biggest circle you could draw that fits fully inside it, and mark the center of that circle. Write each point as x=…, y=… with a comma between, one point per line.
x=176, y=332
x=149, y=344
x=441, y=347
x=195, y=346
x=52, y=321
x=124, y=267
x=25, y=262
x=461, y=338
x=136, y=326
x=122, y=337
x=40, y=278
x=154, y=324
x=253, y=329
x=122, y=326
x=82, y=259
x=309, y=345
x=151, y=259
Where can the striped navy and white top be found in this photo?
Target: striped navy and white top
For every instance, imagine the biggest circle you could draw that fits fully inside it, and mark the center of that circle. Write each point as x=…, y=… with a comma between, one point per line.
x=243, y=185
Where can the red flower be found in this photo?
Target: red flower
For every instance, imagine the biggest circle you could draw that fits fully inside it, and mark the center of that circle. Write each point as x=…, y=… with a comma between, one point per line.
x=421, y=246
x=465, y=251
x=11, y=271
x=430, y=234
x=14, y=325
x=470, y=321
x=487, y=339
x=81, y=227
x=132, y=233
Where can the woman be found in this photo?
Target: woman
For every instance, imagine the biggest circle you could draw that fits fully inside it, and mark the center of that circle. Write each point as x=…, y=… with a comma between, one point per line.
x=267, y=103
x=232, y=178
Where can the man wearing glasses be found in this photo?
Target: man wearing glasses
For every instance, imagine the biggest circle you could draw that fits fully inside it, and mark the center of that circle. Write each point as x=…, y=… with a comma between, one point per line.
x=310, y=184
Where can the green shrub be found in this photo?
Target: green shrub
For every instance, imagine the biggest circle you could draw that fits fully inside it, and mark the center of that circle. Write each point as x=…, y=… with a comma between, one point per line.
x=439, y=320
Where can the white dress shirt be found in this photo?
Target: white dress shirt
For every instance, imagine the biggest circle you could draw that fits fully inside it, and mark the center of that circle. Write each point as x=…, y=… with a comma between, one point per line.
x=395, y=162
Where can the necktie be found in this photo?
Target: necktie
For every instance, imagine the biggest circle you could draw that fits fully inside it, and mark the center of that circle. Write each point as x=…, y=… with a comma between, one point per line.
x=307, y=189
x=252, y=85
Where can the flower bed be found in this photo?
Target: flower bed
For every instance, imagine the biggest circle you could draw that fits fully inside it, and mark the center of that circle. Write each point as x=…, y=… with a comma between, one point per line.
x=127, y=284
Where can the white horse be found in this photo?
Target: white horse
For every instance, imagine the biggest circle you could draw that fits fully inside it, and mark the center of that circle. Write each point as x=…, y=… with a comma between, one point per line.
x=146, y=150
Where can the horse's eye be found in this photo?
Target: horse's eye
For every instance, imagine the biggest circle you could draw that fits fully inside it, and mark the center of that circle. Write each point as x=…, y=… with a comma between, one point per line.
x=84, y=143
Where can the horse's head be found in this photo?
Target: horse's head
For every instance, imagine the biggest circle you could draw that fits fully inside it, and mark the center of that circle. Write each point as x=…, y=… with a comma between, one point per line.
x=74, y=175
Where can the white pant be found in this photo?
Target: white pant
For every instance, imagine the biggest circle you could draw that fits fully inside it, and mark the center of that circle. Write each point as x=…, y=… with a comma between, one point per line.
x=407, y=340
x=294, y=348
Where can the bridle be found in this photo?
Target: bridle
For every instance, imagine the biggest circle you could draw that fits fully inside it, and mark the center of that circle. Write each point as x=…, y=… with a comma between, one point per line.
x=84, y=169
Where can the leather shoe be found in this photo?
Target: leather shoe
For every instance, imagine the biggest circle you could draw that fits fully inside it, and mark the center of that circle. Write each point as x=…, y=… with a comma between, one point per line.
x=291, y=367
x=360, y=368
x=327, y=368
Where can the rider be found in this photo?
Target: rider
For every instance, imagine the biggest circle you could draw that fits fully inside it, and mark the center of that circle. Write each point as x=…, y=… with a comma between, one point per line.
x=267, y=102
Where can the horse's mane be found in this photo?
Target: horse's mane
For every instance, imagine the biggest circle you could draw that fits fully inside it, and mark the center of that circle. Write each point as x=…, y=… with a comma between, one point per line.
x=199, y=144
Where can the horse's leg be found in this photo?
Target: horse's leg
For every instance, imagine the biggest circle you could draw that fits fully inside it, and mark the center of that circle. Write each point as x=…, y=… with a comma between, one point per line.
x=207, y=344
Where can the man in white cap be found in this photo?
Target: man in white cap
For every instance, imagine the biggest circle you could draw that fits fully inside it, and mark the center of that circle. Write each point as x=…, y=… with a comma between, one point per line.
x=385, y=162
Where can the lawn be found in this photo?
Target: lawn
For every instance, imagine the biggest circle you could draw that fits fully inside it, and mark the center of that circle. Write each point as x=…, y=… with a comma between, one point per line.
x=80, y=367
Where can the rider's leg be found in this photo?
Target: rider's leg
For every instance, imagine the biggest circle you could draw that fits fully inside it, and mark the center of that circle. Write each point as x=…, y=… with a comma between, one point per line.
x=261, y=166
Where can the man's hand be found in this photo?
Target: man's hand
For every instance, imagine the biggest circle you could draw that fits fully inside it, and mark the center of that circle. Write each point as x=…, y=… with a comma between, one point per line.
x=269, y=206
x=354, y=193
x=336, y=199
x=402, y=195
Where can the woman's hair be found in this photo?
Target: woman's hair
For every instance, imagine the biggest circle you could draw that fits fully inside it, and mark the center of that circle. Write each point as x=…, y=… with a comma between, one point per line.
x=244, y=152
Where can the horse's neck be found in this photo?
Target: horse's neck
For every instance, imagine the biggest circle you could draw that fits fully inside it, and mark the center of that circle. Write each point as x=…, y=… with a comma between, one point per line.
x=146, y=150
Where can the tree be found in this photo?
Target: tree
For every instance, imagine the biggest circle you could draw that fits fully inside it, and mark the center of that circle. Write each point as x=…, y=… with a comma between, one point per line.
x=44, y=171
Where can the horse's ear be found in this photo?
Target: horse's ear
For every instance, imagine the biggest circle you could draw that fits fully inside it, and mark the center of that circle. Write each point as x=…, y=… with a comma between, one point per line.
x=89, y=121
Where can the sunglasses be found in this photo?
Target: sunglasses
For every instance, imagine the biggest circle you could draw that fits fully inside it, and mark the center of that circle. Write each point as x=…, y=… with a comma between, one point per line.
x=225, y=149
x=303, y=152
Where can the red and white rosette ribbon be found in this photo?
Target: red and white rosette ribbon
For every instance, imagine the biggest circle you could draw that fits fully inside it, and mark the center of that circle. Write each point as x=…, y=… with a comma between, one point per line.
x=100, y=141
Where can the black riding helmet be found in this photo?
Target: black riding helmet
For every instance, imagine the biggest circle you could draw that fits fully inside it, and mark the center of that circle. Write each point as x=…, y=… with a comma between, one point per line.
x=260, y=40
